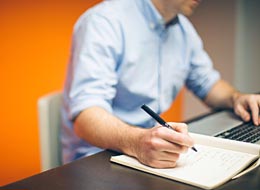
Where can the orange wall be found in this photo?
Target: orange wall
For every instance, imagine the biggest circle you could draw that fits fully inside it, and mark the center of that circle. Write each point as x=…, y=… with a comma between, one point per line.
x=175, y=112
x=35, y=41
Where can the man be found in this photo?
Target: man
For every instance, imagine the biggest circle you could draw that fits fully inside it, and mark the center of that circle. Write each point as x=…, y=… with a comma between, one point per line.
x=126, y=53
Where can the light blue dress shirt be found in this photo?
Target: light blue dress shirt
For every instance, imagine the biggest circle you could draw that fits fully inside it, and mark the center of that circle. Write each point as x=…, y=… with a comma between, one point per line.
x=124, y=55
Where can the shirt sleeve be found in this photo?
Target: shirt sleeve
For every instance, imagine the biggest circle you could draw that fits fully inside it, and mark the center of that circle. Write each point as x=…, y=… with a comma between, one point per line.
x=91, y=76
x=202, y=76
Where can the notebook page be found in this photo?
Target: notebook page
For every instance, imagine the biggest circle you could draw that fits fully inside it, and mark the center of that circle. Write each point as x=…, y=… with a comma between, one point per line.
x=253, y=166
x=226, y=143
x=207, y=168
x=210, y=166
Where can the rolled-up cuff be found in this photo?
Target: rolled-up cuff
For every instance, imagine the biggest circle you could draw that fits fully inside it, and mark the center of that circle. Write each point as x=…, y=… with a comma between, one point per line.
x=78, y=107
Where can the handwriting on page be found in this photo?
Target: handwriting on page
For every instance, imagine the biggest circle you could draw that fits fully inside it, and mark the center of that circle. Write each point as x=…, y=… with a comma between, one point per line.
x=209, y=164
x=222, y=158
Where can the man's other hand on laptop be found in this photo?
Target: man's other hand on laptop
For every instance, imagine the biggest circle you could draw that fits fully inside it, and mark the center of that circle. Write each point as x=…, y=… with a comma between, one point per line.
x=247, y=106
x=223, y=95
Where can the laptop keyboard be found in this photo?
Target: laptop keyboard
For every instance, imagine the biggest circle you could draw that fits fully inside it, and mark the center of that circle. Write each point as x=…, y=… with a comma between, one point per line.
x=246, y=132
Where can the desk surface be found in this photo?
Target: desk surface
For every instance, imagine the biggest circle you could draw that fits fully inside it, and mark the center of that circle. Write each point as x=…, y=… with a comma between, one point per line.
x=97, y=172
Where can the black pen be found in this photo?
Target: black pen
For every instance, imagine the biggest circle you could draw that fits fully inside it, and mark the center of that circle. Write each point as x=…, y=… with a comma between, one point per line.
x=159, y=119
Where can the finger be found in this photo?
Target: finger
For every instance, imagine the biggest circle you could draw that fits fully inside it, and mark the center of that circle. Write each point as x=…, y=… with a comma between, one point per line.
x=163, y=145
x=161, y=164
x=241, y=111
x=174, y=148
x=169, y=156
x=180, y=127
x=180, y=138
x=171, y=136
x=259, y=111
x=253, y=105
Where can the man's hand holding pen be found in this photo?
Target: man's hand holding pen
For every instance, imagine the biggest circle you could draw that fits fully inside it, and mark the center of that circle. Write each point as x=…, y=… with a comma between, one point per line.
x=160, y=147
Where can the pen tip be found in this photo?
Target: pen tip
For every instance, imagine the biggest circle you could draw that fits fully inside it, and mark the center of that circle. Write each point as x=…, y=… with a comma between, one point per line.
x=193, y=148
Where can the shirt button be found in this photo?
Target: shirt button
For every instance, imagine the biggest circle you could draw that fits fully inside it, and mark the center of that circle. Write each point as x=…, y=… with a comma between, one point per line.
x=162, y=22
x=152, y=25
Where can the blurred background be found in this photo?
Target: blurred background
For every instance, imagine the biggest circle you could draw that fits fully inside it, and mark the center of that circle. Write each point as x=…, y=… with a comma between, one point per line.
x=35, y=37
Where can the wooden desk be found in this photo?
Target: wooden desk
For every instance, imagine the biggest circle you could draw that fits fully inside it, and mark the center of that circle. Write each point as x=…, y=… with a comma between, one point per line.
x=96, y=172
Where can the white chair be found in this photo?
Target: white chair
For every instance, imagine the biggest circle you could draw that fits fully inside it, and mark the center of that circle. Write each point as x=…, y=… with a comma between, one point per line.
x=49, y=130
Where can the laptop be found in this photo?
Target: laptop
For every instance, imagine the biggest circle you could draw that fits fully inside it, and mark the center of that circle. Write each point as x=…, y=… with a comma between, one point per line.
x=225, y=124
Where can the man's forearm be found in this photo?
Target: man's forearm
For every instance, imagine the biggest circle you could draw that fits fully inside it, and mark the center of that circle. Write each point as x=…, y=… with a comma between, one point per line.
x=158, y=146
x=221, y=95
x=102, y=129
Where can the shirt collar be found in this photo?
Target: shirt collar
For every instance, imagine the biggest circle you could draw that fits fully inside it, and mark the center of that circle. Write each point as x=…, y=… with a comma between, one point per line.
x=152, y=15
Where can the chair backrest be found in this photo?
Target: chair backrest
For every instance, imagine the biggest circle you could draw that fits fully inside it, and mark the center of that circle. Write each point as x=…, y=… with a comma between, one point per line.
x=49, y=129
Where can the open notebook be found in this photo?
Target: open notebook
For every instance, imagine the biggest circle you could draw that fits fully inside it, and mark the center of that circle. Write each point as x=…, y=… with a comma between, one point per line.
x=216, y=162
